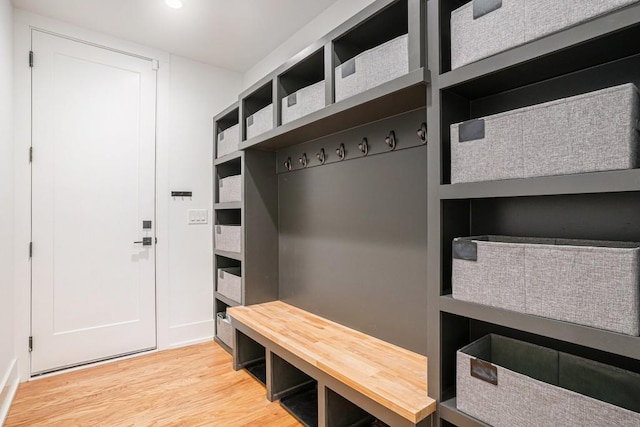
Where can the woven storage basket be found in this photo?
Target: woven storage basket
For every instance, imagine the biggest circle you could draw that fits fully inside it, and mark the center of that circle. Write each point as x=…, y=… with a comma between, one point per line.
x=230, y=189
x=260, y=122
x=509, y=383
x=482, y=28
x=372, y=68
x=228, y=238
x=228, y=141
x=224, y=330
x=230, y=283
x=597, y=131
x=303, y=102
x=591, y=283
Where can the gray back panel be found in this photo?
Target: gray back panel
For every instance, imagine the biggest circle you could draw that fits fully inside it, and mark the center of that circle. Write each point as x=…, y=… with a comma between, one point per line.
x=353, y=239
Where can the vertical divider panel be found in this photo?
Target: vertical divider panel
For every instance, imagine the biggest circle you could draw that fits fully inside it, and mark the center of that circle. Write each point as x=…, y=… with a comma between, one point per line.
x=242, y=116
x=417, y=20
x=329, y=79
x=277, y=105
x=323, y=419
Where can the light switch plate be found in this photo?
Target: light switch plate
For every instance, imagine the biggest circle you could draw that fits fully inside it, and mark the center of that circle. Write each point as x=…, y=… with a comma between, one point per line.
x=198, y=216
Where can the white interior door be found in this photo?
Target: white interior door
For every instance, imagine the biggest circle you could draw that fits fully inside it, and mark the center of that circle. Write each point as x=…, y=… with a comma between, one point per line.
x=93, y=288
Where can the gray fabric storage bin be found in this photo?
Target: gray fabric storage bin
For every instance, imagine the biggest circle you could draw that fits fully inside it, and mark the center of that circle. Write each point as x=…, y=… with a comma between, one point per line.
x=260, y=122
x=482, y=28
x=591, y=283
x=372, y=68
x=303, y=102
x=230, y=283
x=230, y=189
x=228, y=238
x=224, y=330
x=228, y=141
x=509, y=383
x=597, y=131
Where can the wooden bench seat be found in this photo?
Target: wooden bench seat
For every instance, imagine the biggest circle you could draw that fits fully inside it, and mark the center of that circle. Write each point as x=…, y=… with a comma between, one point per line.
x=390, y=376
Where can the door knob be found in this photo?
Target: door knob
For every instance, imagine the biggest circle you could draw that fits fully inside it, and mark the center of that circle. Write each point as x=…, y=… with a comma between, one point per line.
x=146, y=241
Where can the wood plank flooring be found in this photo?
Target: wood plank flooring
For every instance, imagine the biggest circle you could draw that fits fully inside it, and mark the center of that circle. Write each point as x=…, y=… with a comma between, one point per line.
x=190, y=386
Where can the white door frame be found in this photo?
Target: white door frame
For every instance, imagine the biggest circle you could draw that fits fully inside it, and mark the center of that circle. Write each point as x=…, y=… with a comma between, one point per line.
x=24, y=23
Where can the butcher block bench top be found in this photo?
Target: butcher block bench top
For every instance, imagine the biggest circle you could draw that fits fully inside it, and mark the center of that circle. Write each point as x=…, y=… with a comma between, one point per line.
x=389, y=375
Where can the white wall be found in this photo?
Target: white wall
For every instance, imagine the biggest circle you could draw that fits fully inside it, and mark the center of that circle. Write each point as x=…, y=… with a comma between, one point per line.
x=322, y=24
x=189, y=95
x=198, y=92
x=7, y=348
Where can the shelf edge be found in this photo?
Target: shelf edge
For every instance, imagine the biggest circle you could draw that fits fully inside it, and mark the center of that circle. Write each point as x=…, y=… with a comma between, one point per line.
x=610, y=342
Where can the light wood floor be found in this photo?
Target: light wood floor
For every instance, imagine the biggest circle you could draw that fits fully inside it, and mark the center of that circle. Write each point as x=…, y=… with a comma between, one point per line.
x=191, y=386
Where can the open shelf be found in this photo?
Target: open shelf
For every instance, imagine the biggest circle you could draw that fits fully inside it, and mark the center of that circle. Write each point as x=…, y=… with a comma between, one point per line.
x=600, y=40
x=459, y=106
x=303, y=405
x=623, y=345
x=258, y=370
x=463, y=330
x=232, y=255
x=226, y=300
x=307, y=72
x=227, y=206
x=595, y=182
x=255, y=101
x=342, y=412
x=227, y=158
x=449, y=412
x=398, y=96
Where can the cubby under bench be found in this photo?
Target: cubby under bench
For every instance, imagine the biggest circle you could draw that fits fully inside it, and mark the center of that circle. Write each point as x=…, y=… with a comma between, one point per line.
x=347, y=378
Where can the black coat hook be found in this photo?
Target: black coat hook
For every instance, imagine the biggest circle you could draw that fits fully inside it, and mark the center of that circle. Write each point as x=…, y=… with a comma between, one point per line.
x=341, y=152
x=287, y=164
x=364, y=146
x=422, y=133
x=391, y=140
x=321, y=156
x=304, y=161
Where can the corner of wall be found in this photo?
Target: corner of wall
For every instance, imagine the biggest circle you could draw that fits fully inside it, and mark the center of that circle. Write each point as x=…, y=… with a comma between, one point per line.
x=8, y=364
x=8, y=387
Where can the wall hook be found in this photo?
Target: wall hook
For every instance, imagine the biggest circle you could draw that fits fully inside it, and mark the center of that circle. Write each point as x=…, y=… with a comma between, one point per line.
x=287, y=164
x=364, y=146
x=321, y=156
x=422, y=133
x=341, y=152
x=304, y=161
x=391, y=140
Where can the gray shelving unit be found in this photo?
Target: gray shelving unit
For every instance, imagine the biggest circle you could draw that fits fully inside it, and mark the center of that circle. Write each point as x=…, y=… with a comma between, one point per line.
x=284, y=208
x=379, y=22
x=589, y=56
x=256, y=214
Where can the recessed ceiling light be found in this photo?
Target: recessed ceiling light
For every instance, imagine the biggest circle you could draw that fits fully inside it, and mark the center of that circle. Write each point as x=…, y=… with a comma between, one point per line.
x=176, y=4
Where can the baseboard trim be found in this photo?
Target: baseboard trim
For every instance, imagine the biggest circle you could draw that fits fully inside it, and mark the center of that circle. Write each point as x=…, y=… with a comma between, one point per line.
x=191, y=333
x=8, y=388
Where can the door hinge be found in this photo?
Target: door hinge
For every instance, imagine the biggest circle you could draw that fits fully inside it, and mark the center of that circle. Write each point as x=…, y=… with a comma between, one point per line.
x=30, y=249
x=31, y=58
x=30, y=154
x=156, y=240
x=155, y=64
x=30, y=344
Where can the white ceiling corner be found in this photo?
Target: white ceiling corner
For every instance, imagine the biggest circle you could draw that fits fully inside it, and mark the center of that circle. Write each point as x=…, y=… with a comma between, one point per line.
x=233, y=34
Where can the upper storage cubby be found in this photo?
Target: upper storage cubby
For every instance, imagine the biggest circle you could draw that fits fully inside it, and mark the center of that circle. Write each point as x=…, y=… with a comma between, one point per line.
x=302, y=88
x=372, y=53
x=481, y=37
x=227, y=131
x=257, y=111
x=369, y=68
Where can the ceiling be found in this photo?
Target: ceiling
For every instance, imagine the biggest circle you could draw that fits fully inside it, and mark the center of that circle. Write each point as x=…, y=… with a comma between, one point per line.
x=233, y=34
